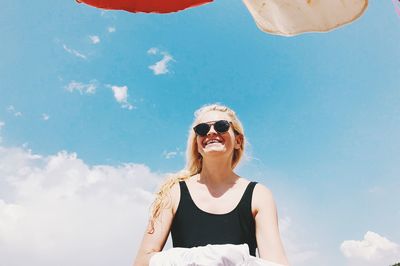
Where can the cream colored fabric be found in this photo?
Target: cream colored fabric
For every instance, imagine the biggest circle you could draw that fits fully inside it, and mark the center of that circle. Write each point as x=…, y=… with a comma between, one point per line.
x=210, y=255
x=292, y=17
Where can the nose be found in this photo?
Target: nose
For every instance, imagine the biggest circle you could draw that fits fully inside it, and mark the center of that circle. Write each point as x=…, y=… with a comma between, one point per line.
x=212, y=130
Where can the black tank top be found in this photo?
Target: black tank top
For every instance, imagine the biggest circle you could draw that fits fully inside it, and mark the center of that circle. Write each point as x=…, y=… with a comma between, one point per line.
x=192, y=227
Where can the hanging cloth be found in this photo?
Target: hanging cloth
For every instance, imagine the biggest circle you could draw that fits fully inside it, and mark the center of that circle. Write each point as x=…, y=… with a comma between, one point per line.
x=146, y=6
x=292, y=17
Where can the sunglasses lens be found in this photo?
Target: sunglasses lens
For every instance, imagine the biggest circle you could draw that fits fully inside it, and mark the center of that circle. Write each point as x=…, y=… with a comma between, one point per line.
x=221, y=126
x=202, y=129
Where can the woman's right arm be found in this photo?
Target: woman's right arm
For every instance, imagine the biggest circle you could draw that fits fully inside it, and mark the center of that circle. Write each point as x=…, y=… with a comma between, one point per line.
x=154, y=242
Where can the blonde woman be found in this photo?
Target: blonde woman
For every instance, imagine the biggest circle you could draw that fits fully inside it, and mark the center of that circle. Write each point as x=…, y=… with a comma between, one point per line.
x=208, y=203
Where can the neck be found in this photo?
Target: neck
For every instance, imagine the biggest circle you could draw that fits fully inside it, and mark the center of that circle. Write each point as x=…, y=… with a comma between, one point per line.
x=217, y=171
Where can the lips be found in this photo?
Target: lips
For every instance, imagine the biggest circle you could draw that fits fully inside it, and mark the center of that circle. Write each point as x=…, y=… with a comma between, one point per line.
x=212, y=141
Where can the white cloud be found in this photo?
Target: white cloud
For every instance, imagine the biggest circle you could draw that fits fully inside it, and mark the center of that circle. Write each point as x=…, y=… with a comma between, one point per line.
x=74, y=52
x=11, y=109
x=89, y=88
x=170, y=155
x=121, y=95
x=160, y=67
x=55, y=206
x=298, y=251
x=111, y=29
x=94, y=39
x=152, y=51
x=374, y=248
x=45, y=117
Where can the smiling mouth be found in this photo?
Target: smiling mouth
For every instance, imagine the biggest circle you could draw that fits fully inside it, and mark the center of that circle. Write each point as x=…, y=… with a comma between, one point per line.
x=212, y=142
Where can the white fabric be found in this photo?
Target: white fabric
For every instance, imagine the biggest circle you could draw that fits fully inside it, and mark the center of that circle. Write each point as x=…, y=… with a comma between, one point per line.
x=210, y=255
x=291, y=17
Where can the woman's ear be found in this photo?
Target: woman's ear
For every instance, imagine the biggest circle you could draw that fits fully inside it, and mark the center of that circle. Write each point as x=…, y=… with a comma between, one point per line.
x=238, y=141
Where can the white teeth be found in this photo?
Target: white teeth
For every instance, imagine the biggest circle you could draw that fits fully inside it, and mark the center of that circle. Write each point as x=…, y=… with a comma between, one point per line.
x=212, y=141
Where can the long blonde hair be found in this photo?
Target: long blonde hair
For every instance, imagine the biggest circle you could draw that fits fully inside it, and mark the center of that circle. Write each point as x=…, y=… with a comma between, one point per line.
x=193, y=160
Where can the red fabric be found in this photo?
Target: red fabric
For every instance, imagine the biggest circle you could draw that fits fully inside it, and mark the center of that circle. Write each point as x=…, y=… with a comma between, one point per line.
x=147, y=6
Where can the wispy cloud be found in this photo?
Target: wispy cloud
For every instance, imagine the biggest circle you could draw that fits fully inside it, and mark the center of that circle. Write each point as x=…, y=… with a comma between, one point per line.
x=74, y=52
x=94, y=39
x=172, y=154
x=299, y=251
x=107, y=14
x=58, y=205
x=376, y=190
x=45, y=117
x=169, y=155
x=82, y=88
x=152, y=51
x=374, y=249
x=2, y=124
x=11, y=109
x=160, y=67
x=121, y=96
x=111, y=29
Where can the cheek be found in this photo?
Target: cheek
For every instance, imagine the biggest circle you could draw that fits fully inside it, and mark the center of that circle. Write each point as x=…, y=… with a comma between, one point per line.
x=232, y=137
x=198, y=142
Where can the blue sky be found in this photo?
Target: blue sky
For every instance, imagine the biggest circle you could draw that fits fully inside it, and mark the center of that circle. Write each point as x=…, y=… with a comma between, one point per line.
x=321, y=111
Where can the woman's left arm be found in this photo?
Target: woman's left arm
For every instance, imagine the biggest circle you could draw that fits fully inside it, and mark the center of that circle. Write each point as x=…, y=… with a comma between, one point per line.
x=269, y=242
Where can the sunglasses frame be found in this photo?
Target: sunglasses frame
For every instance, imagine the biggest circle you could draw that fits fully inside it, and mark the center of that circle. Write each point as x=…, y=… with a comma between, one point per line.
x=212, y=124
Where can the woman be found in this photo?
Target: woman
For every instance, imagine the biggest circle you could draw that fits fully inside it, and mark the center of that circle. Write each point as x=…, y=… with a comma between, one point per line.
x=208, y=203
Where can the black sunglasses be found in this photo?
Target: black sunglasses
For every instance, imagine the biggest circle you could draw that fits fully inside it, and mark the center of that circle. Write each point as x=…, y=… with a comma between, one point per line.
x=221, y=126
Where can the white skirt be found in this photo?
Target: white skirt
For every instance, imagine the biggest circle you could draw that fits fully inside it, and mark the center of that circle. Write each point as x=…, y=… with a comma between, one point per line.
x=210, y=255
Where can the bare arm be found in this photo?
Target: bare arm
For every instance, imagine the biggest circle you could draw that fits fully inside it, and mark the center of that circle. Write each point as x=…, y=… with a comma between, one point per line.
x=154, y=242
x=267, y=231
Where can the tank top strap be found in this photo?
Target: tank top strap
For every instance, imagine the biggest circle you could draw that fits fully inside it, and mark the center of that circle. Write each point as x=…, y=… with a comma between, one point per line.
x=247, y=196
x=185, y=195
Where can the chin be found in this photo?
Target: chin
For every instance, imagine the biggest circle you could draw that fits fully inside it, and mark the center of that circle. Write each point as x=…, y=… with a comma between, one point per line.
x=214, y=151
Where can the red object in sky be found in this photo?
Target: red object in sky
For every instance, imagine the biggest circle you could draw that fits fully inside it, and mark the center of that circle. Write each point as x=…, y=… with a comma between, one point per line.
x=147, y=6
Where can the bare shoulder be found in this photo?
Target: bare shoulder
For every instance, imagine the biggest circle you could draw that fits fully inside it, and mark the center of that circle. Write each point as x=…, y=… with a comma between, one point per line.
x=262, y=191
x=262, y=197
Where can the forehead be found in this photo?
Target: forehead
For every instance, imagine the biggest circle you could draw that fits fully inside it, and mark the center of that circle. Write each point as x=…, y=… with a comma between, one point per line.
x=213, y=116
